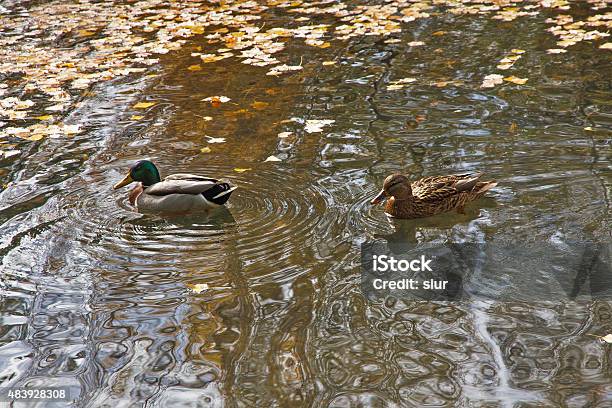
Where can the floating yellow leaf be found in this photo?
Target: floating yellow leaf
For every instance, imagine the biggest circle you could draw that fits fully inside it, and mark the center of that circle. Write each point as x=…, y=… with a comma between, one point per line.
x=206, y=150
x=136, y=117
x=72, y=129
x=35, y=137
x=565, y=43
x=198, y=287
x=517, y=51
x=279, y=69
x=85, y=33
x=326, y=63
x=283, y=135
x=56, y=108
x=272, y=159
x=194, y=68
x=438, y=33
x=211, y=58
x=399, y=83
x=606, y=46
x=242, y=170
x=215, y=139
x=44, y=117
x=196, y=29
x=19, y=132
x=504, y=66
x=144, y=105
x=215, y=101
x=491, y=80
x=404, y=81
x=316, y=125
x=516, y=80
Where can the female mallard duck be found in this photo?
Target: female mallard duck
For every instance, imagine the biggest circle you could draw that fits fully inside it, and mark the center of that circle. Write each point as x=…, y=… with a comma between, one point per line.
x=178, y=193
x=430, y=195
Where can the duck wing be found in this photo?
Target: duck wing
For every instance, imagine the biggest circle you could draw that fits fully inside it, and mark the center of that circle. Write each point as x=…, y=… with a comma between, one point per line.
x=187, y=176
x=182, y=183
x=439, y=188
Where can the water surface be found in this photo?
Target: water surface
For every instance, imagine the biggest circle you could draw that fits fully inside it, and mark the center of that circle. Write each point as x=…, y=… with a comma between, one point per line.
x=98, y=297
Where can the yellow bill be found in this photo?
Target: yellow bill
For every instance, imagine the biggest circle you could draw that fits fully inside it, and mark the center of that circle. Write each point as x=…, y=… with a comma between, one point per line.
x=126, y=180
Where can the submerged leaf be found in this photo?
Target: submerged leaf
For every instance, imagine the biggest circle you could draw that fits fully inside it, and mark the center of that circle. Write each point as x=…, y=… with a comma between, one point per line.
x=259, y=105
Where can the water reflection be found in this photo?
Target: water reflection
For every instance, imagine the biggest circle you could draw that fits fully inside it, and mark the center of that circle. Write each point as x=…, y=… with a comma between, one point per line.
x=99, y=297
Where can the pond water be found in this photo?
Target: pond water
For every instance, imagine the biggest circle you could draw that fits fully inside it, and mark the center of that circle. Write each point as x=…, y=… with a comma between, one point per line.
x=99, y=298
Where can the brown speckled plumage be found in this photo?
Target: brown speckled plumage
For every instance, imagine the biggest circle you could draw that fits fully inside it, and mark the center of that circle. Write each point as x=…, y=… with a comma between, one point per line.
x=431, y=195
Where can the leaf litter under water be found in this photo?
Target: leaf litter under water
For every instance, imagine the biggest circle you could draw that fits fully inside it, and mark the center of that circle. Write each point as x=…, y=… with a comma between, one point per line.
x=89, y=42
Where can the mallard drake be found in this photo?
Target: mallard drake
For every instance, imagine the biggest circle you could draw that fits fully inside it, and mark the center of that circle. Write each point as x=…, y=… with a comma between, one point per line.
x=430, y=195
x=178, y=193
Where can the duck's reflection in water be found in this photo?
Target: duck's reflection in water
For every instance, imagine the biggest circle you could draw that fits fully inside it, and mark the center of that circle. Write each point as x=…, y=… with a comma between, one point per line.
x=411, y=231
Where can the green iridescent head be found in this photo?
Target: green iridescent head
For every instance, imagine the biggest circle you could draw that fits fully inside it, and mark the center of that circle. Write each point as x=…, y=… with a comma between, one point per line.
x=143, y=171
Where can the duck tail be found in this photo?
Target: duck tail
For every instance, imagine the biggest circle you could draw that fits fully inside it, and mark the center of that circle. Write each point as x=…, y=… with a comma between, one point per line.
x=484, y=186
x=468, y=182
x=219, y=193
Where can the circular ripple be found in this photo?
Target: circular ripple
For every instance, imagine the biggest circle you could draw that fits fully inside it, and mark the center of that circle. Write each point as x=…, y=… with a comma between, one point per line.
x=280, y=216
x=270, y=220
